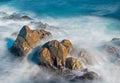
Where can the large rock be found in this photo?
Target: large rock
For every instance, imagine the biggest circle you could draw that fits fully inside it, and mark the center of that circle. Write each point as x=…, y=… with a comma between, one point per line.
x=73, y=63
x=58, y=53
x=27, y=39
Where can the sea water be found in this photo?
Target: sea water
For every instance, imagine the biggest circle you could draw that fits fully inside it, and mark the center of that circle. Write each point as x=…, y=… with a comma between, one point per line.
x=88, y=24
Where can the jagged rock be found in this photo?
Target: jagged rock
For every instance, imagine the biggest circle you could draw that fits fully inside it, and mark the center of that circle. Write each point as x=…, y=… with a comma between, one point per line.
x=58, y=53
x=86, y=76
x=73, y=63
x=27, y=39
x=82, y=54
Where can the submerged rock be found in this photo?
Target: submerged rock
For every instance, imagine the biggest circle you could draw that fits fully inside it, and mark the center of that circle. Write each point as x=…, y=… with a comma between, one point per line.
x=83, y=55
x=26, y=18
x=86, y=76
x=116, y=41
x=113, y=47
x=73, y=63
x=27, y=39
x=57, y=53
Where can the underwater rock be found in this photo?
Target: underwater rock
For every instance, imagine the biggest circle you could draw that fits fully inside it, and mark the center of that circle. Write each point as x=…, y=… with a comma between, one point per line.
x=116, y=41
x=16, y=16
x=26, y=18
x=113, y=46
x=27, y=39
x=111, y=49
x=87, y=76
x=73, y=64
x=58, y=53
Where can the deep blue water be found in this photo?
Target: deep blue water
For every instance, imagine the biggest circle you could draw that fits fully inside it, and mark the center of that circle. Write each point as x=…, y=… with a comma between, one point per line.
x=65, y=8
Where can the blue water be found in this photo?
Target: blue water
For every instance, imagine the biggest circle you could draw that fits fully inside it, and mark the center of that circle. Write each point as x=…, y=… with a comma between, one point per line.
x=65, y=8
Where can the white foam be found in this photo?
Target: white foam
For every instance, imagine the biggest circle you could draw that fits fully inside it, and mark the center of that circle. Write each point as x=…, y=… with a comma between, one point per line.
x=82, y=31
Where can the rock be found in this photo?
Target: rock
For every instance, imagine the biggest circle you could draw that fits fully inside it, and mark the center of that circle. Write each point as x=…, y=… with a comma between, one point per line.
x=58, y=53
x=72, y=63
x=86, y=76
x=45, y=57
x=13, y=16
x=20, y=47
x=113, y=46
x=116, y=41
x=26, y=18
x=68, y=45
x=82, y=54
x=111, y=49
x=16, y=16
x=27, y=39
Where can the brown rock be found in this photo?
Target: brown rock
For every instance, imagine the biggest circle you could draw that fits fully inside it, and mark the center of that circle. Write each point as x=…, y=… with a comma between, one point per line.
x=67, y=44
x=73, y=63
x=45, y=57
x=27, y=39
x=20, y=47
x=58, y=53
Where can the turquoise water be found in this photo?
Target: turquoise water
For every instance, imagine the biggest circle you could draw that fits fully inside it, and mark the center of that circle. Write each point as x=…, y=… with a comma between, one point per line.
x=56, y=8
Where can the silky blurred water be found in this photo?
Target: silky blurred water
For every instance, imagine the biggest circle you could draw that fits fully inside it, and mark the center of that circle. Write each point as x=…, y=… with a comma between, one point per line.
x=86, y=23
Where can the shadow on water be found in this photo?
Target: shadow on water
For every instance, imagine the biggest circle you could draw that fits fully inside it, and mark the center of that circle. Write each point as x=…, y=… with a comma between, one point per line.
x=33, y=56
x=9, y=42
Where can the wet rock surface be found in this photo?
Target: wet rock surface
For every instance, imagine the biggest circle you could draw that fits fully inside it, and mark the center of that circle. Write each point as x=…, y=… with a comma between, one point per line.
x=53, y=55
x=82, y=54
x=56, y=51
x=73, y=63
x=27, y=39
x=87, y=76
